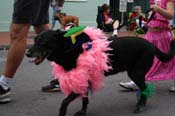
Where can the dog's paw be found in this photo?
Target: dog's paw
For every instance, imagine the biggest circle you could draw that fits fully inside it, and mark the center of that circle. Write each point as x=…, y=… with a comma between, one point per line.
x=138, y=110
x=80, y=113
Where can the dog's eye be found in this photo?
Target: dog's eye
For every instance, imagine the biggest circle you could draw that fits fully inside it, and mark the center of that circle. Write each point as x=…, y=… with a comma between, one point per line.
x=43, y=44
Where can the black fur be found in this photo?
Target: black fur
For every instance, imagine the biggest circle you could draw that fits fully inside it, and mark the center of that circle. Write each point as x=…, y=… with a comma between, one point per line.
x=132, y=54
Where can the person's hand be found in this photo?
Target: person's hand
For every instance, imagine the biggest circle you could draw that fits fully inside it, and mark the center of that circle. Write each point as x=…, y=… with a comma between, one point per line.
x=59, y=8
x=154, y=8
x=111, y=20
x=53, y=3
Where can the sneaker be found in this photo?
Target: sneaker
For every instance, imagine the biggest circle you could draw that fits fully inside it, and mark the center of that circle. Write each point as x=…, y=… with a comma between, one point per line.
x=52, y=87
x=5, y=95
x=114, y=36
x=129, y=86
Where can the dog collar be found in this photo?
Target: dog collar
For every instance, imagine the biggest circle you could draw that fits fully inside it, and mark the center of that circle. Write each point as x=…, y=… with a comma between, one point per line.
x=87, y=46
x=74, y=32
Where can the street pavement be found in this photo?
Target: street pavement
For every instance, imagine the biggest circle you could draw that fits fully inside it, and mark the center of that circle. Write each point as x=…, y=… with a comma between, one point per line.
x=28, y=100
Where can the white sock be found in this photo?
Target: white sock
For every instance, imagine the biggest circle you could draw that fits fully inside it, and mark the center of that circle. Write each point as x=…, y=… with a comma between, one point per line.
x=115, y=32
x=5, y=82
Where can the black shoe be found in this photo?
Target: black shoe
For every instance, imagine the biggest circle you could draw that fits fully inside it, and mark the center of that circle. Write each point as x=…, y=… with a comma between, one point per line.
x=52, y=87
x=5, y=95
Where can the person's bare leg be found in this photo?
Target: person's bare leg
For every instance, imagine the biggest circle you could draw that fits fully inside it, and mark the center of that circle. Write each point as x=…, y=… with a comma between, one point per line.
x=115, y=24
x=18, y=34
x=115, y=27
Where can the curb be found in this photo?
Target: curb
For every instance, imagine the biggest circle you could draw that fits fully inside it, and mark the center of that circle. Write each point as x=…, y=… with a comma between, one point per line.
x=6, y=47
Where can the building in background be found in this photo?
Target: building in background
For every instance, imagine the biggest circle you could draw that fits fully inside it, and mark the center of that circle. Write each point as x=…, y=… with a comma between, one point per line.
x=86, y=10
x=125, y=6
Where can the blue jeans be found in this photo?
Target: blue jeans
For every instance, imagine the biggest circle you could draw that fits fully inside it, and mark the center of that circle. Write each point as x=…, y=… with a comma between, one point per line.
x=174, y=20
x=55, y=10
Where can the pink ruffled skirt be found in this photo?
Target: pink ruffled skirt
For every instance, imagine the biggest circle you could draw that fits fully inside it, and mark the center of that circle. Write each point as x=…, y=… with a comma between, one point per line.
x=160, y=70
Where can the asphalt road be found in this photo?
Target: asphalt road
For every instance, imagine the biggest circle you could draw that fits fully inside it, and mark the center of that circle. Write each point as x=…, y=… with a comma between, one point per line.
x=28, y=100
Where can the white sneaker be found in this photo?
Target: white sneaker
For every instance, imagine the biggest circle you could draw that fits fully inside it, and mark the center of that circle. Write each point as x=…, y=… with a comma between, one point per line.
x=129, y=85
x=5, y=95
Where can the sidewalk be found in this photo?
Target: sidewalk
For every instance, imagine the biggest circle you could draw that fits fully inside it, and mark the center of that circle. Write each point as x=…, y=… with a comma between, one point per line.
x=5, y=38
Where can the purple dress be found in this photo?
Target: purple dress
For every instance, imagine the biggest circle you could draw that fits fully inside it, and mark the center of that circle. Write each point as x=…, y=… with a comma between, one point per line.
x=161, y=39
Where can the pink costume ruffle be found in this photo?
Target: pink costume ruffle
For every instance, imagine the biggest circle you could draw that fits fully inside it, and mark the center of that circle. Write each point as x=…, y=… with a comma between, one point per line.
x=90, y=68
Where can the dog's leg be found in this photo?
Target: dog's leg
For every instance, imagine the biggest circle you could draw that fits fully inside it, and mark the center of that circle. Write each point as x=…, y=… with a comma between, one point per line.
x=82, y=112
x=137, y=74
x=63, y=23
x=140, y=82
x=66, y=102
x=85, y=102
x=76, y=22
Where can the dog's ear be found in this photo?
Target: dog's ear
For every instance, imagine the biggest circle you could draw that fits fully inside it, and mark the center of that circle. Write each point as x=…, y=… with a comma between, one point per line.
x=62, y=14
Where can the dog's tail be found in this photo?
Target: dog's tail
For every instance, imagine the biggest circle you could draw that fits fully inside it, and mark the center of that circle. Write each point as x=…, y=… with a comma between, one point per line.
x=165, y=57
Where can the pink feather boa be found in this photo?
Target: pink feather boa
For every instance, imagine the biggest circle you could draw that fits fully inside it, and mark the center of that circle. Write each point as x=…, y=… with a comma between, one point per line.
x=90, y=68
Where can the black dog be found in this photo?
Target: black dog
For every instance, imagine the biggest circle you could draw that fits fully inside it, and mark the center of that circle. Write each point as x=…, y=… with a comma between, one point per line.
x=132, y=54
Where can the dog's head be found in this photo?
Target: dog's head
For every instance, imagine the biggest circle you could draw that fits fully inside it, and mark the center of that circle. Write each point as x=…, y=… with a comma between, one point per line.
x=60, y=15
x=55, y=47
x=46, y=44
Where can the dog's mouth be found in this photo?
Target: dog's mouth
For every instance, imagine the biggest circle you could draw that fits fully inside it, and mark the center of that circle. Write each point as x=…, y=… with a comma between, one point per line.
x=37, y=60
